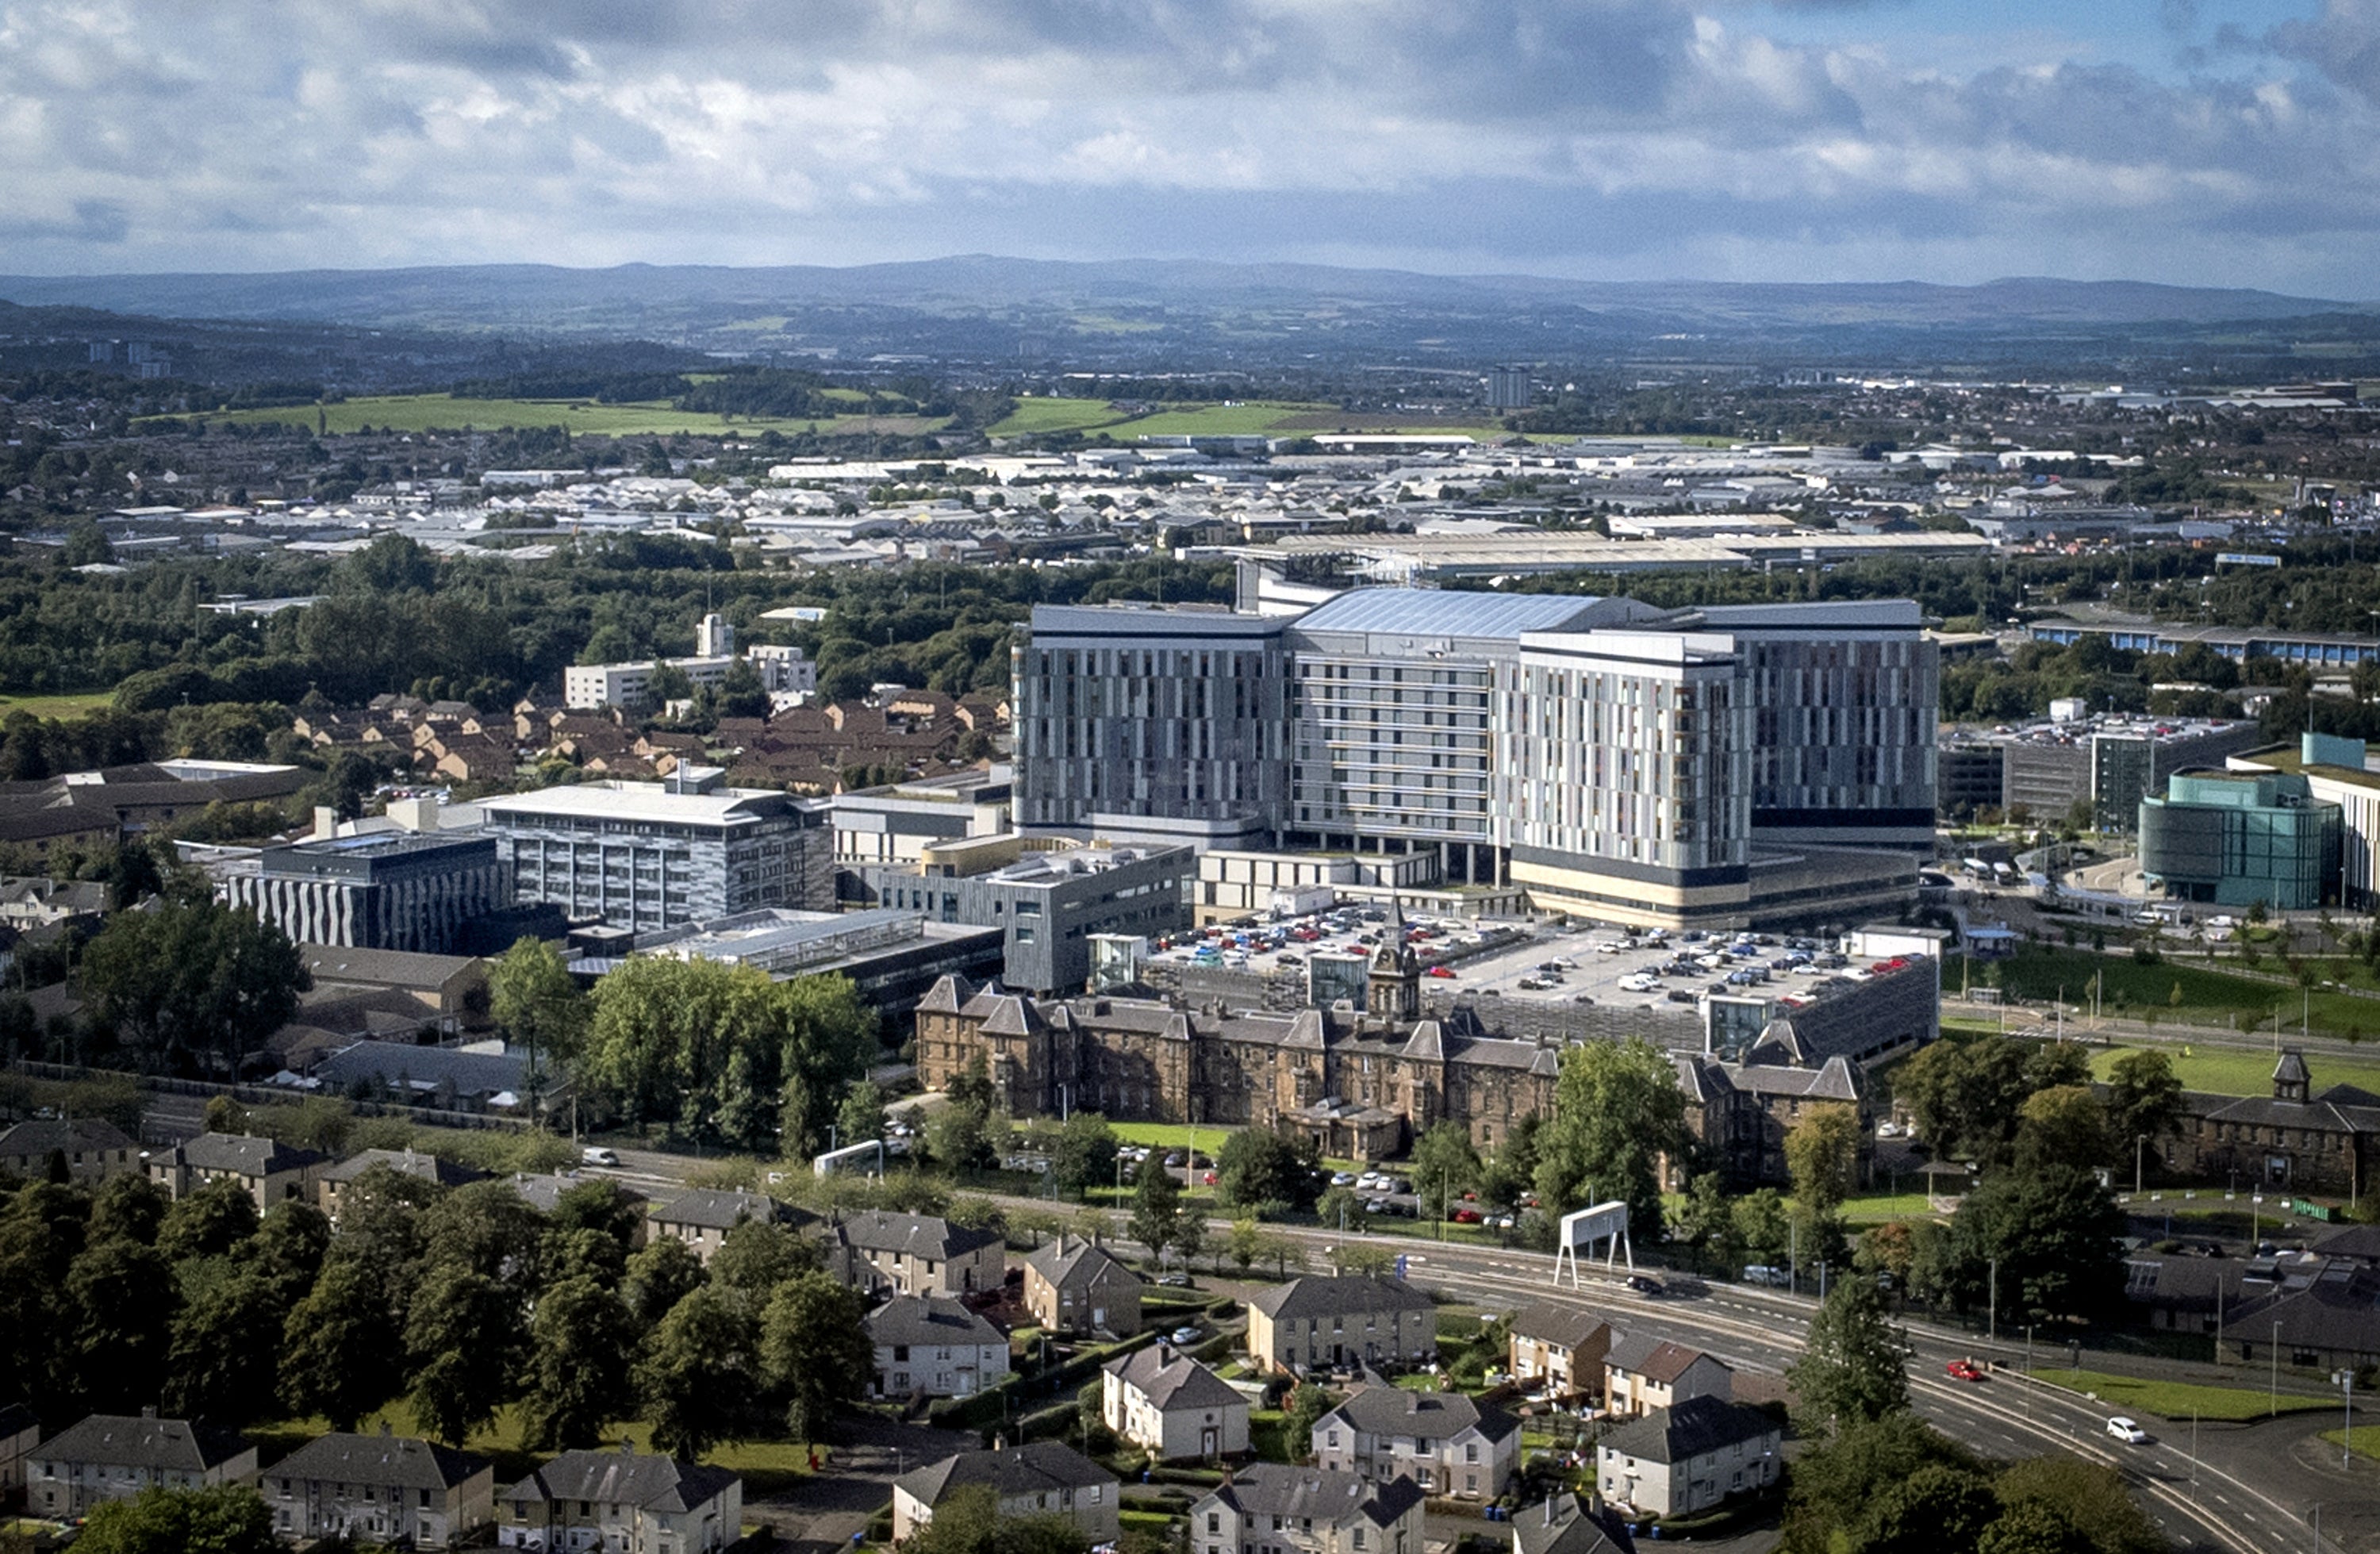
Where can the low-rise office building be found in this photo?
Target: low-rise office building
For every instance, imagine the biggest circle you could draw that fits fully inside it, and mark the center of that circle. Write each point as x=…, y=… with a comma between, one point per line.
x=891, y=958
x=2242, y=838
x=383, y=1488
x=391, y=890
x=645, y=855
x=1047, y=895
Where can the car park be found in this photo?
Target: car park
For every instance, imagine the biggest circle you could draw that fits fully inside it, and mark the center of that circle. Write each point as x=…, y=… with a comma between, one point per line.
x=2127, y=1432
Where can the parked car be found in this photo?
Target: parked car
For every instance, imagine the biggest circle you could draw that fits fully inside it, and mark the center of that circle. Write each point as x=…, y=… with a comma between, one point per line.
x=1174, y=1280
x=2128, y=1432
x=1466, y=1215
x=1186, y=1335
x=1343, y=1179
x=598, y=1157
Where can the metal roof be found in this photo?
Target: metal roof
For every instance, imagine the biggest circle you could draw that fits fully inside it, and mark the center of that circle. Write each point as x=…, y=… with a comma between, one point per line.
x=1436, y=612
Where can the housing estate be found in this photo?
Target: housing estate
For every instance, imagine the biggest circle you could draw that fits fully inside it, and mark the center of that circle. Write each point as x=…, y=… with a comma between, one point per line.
x=933, y=1346
x=1559, y=1348
x=878, y=1251
x=268, y=1170
x=91, y=1148
x=1268, y=1508
x=1039, y=1478
x=1643, y=1373
x=624, y=1500
x=1688, y=1456
x=116, y=1456
x=703, y=1217
x=1076, y=1286
x=1173, y=1407
x=1321, y=1323
x=383, y=1488
x=1444, y=1441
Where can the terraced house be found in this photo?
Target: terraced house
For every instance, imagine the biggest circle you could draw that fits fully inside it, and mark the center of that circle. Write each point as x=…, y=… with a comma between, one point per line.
x=383, y=1486
x=1318, y=1323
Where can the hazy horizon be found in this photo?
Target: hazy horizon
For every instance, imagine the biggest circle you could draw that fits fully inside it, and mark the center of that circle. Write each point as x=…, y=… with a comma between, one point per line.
x=2218, y=143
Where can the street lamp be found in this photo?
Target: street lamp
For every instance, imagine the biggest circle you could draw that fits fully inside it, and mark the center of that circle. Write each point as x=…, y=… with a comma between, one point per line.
x=2274, y=1404
x=2345, y=1376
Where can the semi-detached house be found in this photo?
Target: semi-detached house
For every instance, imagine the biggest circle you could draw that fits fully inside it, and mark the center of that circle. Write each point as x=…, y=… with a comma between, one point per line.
x=1443, y=1441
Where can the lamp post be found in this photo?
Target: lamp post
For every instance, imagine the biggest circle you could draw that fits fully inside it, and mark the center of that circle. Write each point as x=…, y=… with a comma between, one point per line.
x=2139, y=1143
x=2273, y=1405
x=2346, y=1378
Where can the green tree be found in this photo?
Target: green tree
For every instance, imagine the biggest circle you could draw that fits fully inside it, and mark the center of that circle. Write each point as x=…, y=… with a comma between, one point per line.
x=1617, y=1115
x=208, y=1221
x=1762, y=1230
x=488, y=1228
x=1838, y=1489
x=860, y=1117
x=129, y=1207
x=1083, y=1156
x=1939, y=1507
x=581, y=1340
x=696, y=1375
x=2055, y=1234
x=463, y=1332
x=2062, y=1125
x=2143, y=1097
x=1966, y=1095
x=223, y=1361
x=1262, y=1169
x=535, y=998
x=1444, y=1165
x=815, y=1350
x=222, y=1519
x=123, y=1298
x=2087, y=1495
x=191, y=981
x=1705, y=1222
x=342, y=1348
x=970, y=1521
x=1246, y=1241
x=1822, y=1157
x=1307, y=1403
x=757, y=1257
x=1850, y=1370
x=2032, y=1528
x=662, y=1273
x=964, y=1138
x=1156, y=1208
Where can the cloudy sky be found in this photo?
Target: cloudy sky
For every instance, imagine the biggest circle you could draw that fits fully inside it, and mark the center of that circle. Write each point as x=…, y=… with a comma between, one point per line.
x=2232, y=142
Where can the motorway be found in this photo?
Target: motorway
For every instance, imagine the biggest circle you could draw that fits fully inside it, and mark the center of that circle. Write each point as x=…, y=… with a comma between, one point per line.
x=2202, y=1505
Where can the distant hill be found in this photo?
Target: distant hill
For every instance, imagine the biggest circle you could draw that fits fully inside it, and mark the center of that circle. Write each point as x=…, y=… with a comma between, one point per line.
x=539, y=295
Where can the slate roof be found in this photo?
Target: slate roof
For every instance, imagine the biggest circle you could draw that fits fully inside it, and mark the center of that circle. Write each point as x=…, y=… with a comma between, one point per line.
x=405, y=1162
x=919, y=1235
x=1561, y=1325
x=388, y=1063
x=712, y=1209
x=78, y=1134
x=1686, y=1430
x=2330, y=1304
x=245, y=1154
x=1071, y=1264
x=936, y=1319
x=1564, y=1526
x=122, y=1441
x=1275, y=1489
x=1337, y=1295
x=1656, y=1359
x=639, y=1478
x=1395, y=1410
x=1032, y=1468
x=1171, y=1379
x=388, y=1460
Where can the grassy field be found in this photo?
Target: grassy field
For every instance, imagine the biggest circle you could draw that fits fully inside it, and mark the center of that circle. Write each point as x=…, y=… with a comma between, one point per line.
x=2232, y=1071
x=2207, y=997
x=1251, y=418
x=1877, y=1209
x=2179, y=1400
x=73, y=706
x=427, y=412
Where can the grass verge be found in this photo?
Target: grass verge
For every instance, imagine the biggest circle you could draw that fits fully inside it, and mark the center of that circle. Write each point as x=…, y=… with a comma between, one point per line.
x=2364, y=1442
x=2180, y=1400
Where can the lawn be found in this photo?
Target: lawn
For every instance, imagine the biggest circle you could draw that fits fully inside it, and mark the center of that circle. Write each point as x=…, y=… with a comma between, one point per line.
x=2132, y=990
x=2365, y=1444
x=1878, y=1208
x=73, y=706
x=768, y=1466
x=426, y=412
x=2231, y=1072
x=1033, y=417
x=1172, y=1136
x=2179, y=1400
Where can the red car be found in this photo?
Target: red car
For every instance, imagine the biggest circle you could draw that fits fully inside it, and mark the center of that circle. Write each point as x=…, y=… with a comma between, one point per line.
x=1441, y=971
x=1466, y=1216
x=1963, y=1370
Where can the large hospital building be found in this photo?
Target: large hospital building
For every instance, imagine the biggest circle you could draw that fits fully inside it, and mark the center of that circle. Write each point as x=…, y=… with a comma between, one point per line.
x=1712, y=767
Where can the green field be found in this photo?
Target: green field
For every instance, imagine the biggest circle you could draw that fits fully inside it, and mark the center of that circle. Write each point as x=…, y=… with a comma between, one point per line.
x=1040, y=417
x=2221, y=1071
x=2181, y=1401
x=73, y=706
x=428, y=412
x=2133, y=992
x=1274, y=417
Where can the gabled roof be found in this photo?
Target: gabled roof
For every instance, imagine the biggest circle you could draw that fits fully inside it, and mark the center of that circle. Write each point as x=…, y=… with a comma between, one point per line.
x=1655, y=1359
x=120, y=1439
x=625, y=1477
x=1334, y=1295
x=405, y=1162
x=1688, y=1430
x=1072, y=1263
x=919, y=1235
x=1396, y=1411
x=713, y=1209
x=950, y=993
x=1032, y=1468
x=936, y=1319
x=245, y=1154
x=1565, y=1525
x=82, y=1134
x=1563, y=1325
x=1170, y=1379
x=1274, y=1490
x=398, y=1461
